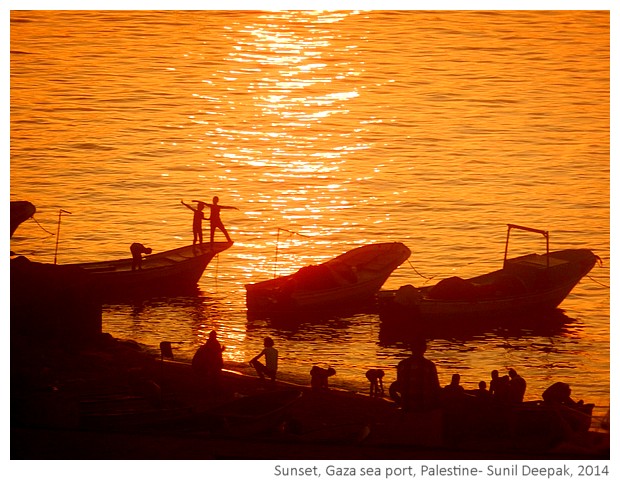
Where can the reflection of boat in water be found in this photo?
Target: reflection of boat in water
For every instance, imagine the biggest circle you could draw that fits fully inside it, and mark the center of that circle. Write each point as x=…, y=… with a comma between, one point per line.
x=546, y=324
x=525, y=284
x=172, y=271
x=352, y=278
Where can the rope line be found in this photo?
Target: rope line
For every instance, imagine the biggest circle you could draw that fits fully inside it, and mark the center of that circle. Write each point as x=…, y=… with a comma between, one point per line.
x=414, y=269
x=596, y=281
x=41, y=227
x=293, y=233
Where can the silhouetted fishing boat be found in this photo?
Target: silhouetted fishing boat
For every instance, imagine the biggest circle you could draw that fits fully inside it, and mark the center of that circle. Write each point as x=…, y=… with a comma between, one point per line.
x=20, y=212
x=486, y=426
x=351, y=278
x=166, y=272
x=254, y=414
x=242, y=417
x=525, y=284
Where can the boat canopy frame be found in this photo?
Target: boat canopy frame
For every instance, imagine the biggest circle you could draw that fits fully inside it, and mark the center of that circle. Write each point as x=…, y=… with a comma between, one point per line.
x=544, y=233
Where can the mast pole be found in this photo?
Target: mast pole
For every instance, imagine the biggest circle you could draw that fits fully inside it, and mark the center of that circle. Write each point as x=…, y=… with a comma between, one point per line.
x=60, y=212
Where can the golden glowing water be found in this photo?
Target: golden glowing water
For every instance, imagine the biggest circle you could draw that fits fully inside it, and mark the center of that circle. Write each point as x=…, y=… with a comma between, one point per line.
x=433, y=128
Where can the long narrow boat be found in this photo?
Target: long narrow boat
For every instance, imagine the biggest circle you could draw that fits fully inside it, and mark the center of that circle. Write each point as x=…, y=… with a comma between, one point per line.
x=242, y=417
x=348, y=279
x=166, y=272
x=526, y=284
x=485, y=426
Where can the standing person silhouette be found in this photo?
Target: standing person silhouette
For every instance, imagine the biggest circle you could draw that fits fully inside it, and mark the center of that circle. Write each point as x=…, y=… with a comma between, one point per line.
x=499, y=387
x=198, y=218
x=517, y=386
x=216, y=221
x=213, y=361
x=417, y=380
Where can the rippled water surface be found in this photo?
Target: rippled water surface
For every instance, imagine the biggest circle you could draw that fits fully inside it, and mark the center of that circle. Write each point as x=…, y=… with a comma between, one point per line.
x=433, y=128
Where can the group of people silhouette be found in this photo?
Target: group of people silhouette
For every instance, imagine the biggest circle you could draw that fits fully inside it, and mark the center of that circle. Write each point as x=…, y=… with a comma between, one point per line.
x=506, y=389
x=215, y=221
x=416, y=389
x=208, y=362
x=417, y=386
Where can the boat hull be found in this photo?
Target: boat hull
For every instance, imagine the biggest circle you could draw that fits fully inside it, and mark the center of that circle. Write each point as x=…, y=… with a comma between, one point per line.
x=352, y=278
x=20, y=212
x=173, y=271
x=243, y=417
x=541, y=288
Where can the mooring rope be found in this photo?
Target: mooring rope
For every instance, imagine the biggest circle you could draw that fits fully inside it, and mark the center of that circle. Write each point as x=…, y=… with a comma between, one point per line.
x=217, y=266
x=291, y=233
x=415, y=270
x=596, y=281
x=34, y=252
x=41, y=227
x=600, y=262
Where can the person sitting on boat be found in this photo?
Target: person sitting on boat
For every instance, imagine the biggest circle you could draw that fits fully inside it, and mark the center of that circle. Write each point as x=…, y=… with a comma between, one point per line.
x=499, y=387
x=198, y=218
x=270, y=368
x=137, y=249
x=577, y=416
x=454, y=391
x=216, y=221
x=417, y=380
x=482, y=393
x=560, y=394
x=517, y=386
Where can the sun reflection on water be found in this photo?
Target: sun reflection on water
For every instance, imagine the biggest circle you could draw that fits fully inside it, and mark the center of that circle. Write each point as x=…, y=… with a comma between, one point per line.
x=297, y=82
x=322, y=123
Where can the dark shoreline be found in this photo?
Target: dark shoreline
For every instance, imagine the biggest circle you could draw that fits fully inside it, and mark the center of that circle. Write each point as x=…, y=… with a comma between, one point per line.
x=52, y=382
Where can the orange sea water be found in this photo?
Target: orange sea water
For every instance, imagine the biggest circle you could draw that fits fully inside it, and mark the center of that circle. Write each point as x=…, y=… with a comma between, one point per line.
x=433, y=128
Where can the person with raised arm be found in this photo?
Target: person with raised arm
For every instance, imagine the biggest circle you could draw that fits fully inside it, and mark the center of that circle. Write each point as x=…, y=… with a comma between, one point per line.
x=198, y=218
x=215, y=220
